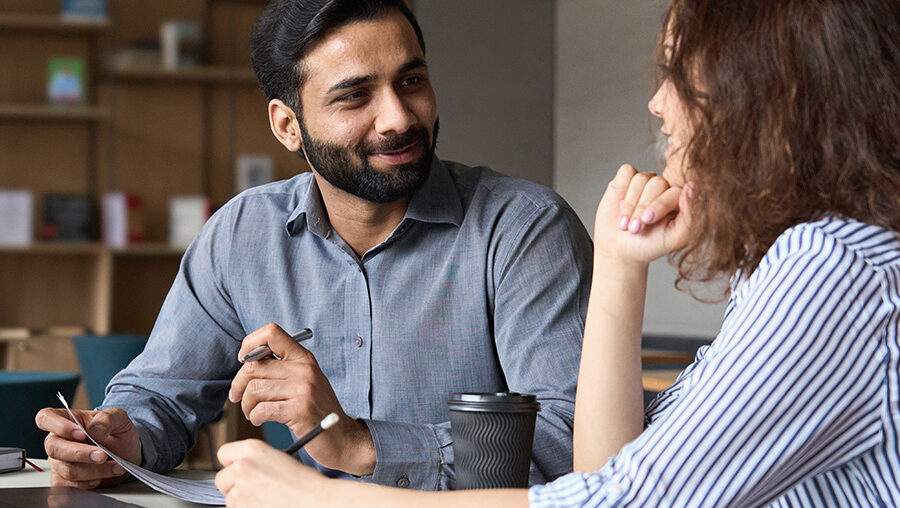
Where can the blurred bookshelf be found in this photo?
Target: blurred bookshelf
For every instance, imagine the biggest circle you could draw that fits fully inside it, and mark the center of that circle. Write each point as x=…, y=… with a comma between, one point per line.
x=140, y=129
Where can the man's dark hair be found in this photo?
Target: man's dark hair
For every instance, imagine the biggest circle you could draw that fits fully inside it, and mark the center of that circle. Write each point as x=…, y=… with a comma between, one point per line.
x=288, y=29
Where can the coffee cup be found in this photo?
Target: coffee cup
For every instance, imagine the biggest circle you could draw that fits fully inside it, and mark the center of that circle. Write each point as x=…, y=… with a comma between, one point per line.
x=492, y=438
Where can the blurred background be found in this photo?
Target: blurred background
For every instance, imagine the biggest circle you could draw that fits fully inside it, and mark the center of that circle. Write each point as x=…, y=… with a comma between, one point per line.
x=125, y=123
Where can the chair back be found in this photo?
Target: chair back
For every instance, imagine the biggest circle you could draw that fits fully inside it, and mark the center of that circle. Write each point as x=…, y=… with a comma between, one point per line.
x=102, y=356
x=22, y=395
x=277, y=434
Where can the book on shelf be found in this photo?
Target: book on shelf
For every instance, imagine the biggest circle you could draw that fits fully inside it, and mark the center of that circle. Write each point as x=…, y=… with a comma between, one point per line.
x=187, y=215
x=17, y=210
x=180, y=41
x=252, y=170
x=83, y=10
x=67, y=330
x=69, y=218
x=123, y=219
x=11, y=459
x=14, y=333
x=65, y=80
x=140, y=53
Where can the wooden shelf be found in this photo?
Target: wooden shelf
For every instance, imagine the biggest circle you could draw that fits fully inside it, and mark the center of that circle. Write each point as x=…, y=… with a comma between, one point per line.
x=22, y=22
x=206, y=74
x=54, y=248
x=149, y=250
x=93, y=248
x=53, y=112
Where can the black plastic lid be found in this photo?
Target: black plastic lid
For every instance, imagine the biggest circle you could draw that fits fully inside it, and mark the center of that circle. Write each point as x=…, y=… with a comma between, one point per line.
x=500, y=402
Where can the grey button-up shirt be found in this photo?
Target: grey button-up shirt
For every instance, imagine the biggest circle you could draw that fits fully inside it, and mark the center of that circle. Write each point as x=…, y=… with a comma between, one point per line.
x=482, y=287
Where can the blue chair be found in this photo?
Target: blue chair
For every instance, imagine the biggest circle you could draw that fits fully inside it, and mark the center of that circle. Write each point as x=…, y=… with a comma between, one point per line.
x=102, y=356
x=277, y=434
x=22, y=395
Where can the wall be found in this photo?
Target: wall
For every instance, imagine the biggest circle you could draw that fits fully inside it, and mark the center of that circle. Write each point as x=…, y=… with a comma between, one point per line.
x=491, y=66
x=604, y=77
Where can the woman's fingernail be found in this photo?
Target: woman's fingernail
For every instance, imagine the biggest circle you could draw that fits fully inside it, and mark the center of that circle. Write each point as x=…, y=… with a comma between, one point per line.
x=648, y=215
x=635, y=226
x=623, y=223
x=98, y=456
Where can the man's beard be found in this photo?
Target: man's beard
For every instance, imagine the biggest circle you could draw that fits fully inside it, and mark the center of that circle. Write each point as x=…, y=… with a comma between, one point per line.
x=354, y=175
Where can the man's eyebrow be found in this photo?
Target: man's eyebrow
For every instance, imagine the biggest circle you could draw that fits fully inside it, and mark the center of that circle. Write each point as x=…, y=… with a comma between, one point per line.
x=415, y=63
x=352, y=82
x=344, y=84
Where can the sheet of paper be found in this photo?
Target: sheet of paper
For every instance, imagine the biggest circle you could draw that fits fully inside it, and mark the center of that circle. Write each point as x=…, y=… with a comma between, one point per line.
x=195, y=491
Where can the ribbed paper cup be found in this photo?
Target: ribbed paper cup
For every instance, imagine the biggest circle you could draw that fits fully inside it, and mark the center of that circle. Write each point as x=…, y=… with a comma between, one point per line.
x=492, y=438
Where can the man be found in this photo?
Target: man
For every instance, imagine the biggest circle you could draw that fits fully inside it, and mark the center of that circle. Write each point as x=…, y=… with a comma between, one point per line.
x=419, y=278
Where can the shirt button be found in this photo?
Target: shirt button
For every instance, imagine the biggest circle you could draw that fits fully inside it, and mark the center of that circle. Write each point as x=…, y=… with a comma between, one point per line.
x=403, y=482
x=615, y=489
x=358, y=341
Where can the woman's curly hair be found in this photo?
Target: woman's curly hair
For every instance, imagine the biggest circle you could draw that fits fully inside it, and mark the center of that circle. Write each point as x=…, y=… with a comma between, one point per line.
x=795, y=110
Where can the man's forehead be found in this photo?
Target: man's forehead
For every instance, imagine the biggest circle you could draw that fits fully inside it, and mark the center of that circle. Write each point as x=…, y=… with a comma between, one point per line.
x=361, y=48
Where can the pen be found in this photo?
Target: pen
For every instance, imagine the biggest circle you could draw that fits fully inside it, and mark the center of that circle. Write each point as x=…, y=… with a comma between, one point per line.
x=263, y=351
x=326, y=422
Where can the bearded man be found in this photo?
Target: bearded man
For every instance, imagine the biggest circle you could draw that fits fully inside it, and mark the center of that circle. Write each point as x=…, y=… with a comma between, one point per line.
x=419, y=278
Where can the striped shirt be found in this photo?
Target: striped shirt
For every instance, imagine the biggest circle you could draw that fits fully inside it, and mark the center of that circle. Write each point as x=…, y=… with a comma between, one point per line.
x=795, y=403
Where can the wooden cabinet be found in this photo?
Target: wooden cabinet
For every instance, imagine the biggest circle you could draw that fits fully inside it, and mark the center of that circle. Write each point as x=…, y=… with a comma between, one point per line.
x=144, y=130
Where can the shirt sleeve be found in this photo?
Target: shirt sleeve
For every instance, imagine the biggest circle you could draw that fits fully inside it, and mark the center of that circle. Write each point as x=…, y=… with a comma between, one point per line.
x=542, y=279
x=542, y=283
x=181, y=380
x=791, y=388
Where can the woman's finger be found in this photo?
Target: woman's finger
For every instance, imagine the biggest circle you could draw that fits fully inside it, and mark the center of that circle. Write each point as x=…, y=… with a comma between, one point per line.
x=663, y=205
x=654, y=188
x=632, y=196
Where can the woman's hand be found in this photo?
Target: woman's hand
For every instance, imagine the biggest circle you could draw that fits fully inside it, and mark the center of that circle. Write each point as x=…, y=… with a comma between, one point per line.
x=256, y=474
x=641, y=217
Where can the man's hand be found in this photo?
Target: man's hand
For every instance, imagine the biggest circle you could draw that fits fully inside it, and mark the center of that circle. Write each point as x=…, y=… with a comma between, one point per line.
x=295, y=392
x=74, y=461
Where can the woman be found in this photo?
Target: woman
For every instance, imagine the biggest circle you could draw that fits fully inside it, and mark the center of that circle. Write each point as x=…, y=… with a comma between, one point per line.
x=782, y=172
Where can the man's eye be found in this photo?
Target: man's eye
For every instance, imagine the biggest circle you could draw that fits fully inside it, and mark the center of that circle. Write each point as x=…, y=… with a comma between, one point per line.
x=351, y=97
x=412, y=80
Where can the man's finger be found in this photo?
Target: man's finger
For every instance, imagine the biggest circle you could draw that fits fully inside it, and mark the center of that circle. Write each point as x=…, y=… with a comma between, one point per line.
x=57, y=421
x=70, y=451
x=109, y=421
x=75, y=472
x=256, y=338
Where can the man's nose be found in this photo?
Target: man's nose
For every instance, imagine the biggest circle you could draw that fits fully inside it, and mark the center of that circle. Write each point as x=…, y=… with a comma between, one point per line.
x=393, y=115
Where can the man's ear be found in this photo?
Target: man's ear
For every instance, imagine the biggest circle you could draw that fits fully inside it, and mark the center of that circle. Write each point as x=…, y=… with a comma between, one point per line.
x=285, y=125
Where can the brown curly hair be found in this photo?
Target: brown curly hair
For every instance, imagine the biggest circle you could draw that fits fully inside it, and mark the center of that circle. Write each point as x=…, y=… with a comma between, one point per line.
x=795, y=110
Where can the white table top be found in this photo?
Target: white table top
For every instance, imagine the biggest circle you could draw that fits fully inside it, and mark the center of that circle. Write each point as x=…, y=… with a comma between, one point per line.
x=132, y=491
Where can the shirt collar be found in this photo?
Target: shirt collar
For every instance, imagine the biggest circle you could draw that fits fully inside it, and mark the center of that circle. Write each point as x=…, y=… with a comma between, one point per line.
x=437, y=201
x=309, y=205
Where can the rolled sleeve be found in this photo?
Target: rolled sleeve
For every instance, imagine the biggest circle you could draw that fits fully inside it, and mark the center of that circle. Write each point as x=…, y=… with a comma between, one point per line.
x=411, y=455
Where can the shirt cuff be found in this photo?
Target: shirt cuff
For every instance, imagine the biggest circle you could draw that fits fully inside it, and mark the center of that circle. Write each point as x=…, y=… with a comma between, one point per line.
x=577, y=489
x=407, y=455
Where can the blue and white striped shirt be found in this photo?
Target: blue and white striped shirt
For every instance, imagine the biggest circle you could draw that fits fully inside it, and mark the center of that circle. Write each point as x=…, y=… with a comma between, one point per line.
x=796, y=402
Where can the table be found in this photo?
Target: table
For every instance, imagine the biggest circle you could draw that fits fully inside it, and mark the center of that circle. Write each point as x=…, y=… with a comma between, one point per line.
x=132, y=491
x=658, y=380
